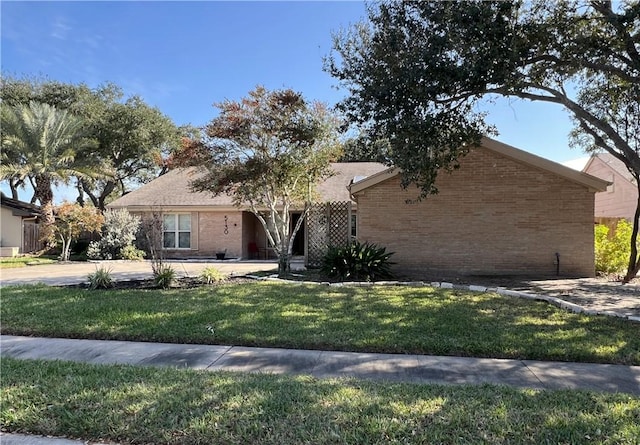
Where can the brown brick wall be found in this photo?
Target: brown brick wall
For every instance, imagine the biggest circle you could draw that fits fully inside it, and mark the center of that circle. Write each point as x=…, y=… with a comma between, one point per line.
x=492, y=216
x=212, y=236
x=208, y=237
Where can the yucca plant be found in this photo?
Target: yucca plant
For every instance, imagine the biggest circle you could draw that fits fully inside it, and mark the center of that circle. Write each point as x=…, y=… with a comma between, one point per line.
x=164, y=277
x=357, y=261
x=100, y=279
x=210, y=275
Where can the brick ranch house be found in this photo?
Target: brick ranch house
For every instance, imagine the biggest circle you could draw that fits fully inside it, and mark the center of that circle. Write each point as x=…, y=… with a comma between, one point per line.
x=200, y=225
x=505, y=211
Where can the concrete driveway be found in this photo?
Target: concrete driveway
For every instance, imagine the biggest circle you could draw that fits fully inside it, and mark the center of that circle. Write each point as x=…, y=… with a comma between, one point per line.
x=76, y=272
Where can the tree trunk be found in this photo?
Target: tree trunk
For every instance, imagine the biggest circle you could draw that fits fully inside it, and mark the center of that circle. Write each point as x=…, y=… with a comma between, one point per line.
x=284, y=264
x=13, y=185
x=80, y=199
x=634, y=263
x=99, y=200
x=44, y=194
x=64, y=256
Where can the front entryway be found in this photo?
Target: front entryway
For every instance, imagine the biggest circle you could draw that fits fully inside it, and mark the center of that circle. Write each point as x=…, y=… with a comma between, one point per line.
x=298, y=241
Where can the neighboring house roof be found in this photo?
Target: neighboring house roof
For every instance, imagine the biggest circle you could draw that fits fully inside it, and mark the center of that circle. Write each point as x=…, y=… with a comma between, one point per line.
x=581, y=178
x=616, y=165
x=20, y=208
x=577, y=164
x=172, y=189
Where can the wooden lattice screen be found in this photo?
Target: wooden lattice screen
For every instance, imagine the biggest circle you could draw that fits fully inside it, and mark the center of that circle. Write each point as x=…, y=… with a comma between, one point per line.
x=328, y=225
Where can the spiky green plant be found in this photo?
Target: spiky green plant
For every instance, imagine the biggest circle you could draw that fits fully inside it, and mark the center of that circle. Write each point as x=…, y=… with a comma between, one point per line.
x=357, y=261
x=100, y=279
x=210, y=275
x=164, y=277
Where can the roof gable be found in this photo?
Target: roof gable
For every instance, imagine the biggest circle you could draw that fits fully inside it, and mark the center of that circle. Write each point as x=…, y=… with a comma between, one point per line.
x=613, y=163
x=584, y=179
x=20, y=208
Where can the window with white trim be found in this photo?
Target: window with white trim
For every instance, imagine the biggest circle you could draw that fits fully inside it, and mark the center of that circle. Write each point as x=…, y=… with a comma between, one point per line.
x=176, y=232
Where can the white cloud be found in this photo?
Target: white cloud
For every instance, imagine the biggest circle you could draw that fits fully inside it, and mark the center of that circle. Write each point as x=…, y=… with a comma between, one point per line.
x=60, y=28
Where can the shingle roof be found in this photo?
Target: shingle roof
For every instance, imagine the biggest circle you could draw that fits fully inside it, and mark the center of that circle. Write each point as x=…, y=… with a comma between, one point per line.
x=20, y=208
x=172, y=189
x=335, y=188
x=169, y=190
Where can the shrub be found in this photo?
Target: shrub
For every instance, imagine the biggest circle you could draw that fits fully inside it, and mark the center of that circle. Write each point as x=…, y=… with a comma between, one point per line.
x=210, y=275
x=80, y=247
x=71, y=221
x=100, y=279
x=612, y=251
x=119, y=231
x=131, y=253
x=357, y=261
x=164, y=277
x=94, y=252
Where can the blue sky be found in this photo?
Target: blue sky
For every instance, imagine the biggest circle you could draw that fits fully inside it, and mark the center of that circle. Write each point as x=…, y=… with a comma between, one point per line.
x=184, y=56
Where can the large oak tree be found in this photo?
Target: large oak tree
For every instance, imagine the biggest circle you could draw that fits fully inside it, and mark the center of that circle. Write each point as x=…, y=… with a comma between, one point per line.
x=417, y=71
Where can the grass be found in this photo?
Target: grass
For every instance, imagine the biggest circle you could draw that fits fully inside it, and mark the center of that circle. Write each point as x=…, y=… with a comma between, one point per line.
x=168, y=406
x=303, y=316
x=23, y=261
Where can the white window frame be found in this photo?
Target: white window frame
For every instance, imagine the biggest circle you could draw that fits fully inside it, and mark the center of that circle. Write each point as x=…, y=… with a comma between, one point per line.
x=177, y=231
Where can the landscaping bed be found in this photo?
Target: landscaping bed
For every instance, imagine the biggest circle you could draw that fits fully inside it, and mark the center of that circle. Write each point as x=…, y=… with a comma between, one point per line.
x=148, y=284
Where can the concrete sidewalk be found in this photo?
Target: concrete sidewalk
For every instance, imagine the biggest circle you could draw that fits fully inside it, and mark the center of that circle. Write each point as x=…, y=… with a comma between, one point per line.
x=327, y=364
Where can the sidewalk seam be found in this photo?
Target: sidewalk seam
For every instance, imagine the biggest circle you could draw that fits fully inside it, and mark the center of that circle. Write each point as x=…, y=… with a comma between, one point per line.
x=228, y=348
x=534, y=374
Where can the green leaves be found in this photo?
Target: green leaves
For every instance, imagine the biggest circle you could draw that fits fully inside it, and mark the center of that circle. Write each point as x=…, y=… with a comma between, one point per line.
x=357, y=261
x=417, y=71
x=404, y=75
x=612, y=251
x=42, y=143
x=129, y=138
x=268, y=150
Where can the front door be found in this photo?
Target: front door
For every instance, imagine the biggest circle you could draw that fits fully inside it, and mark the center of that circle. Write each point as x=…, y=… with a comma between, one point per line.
x=298, y=241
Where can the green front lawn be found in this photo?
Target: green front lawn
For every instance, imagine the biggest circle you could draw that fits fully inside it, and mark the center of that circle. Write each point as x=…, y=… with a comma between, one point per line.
x=379, y=319
x=126, y=404
x=23, y=261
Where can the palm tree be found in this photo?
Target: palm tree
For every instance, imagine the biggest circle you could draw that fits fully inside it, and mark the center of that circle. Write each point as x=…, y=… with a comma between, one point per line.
x=41, y=143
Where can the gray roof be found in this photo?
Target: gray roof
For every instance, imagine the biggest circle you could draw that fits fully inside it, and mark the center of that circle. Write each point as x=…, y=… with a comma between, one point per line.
x=172, y=189
x=20, y=208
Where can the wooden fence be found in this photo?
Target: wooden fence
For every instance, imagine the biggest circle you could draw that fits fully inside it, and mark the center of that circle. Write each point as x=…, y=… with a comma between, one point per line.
x=31, y=237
